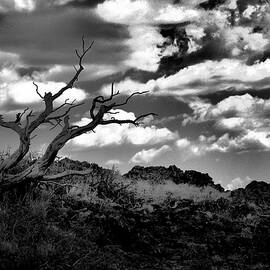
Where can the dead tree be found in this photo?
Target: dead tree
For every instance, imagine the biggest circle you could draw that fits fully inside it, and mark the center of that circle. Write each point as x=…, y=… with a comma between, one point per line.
x=27, y=122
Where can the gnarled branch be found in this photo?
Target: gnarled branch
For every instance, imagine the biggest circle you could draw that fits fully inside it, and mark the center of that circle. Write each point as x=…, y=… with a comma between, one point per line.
x=78, y=71
x=100, y=108
x=65, y=174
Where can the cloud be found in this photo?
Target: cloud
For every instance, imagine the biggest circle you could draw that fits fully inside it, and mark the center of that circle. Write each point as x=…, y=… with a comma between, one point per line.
x=249, y=11
x=147, y=156
x=18, y=5
x=177, y=14
x=144, y=52
x=65, y=72
x=145, y=12
x=23, y=5
x=113, y=162
x=21, y=91
x=247, y=141
x=8, y=59
x=240, y=111
x=183, y=143
x=31, y=5
x=115, y=134
x=241, y=39
x=142, y=19
x=243, y=120
x=239, y=183
x=162, y=121
x=201, y=79
x=124, y=11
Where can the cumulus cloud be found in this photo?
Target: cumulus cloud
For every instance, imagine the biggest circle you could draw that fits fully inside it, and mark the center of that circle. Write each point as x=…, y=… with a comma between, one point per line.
x=249, y=11
x=147, y=156
x=143, y=11
x=234, y=36
x=234, y=111
x=124, y=11
x=244, y=142
x=15, y=89
x=18, y=5
x=243, y=119
x=241, y=39
x=144, y=52
x=177, y=14
x=142, y=19
x=29, y=5
x=113, y=162
x=115, y=134
x=183, y=143
x=201, y=79
x=238, y=182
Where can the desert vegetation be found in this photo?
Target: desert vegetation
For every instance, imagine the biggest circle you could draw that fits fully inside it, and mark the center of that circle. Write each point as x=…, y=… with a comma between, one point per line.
x=107, y=221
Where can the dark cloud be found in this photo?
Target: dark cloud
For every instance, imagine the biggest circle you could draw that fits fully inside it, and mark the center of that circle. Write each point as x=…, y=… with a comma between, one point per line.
x=211, y=4
x=216, y=97
x=28, y=71
x=85, y=3
x=213, y=49
x=137, y=75
x=50, y=36
x=258, y=57
x=242, y=4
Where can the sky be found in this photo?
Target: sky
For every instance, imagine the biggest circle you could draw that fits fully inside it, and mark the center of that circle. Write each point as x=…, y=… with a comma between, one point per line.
x=205, y=65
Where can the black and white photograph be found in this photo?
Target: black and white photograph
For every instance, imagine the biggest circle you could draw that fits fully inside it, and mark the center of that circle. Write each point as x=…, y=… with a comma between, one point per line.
x=134, y=134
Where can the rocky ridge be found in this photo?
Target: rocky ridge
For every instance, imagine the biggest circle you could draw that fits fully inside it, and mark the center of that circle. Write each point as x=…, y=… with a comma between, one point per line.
x=160, y=174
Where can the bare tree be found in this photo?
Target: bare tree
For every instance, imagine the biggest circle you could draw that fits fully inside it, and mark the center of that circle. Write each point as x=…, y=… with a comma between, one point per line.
x=27, y=122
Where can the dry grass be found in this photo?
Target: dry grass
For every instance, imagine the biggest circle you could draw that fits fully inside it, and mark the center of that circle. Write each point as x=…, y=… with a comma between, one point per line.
x=160, y=192
x=146, y=191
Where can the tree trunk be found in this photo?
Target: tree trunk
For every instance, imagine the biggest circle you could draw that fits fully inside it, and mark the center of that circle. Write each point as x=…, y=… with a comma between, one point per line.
x=17, y=156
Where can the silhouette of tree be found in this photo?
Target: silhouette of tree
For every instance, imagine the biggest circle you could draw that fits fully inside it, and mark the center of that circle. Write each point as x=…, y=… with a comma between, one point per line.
x=28, y=121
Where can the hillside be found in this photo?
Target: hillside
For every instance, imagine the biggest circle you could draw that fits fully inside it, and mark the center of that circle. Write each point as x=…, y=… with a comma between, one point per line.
x=150, y=218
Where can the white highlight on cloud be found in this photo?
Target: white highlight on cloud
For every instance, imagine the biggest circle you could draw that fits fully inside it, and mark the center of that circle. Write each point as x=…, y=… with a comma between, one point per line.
x=243, y=39
x=24, y=5
x=147, y=156
x=238, y=183
x=131, y=12
x=249, y=11
x=246, y=142
x=177, y=14
x=234, y=111
x=144, y=53
x=115, y=134
x=63, y=72
x=182, y=143
x=195, y=31
x=201, y=78
x=232, y=4
x=124, y=11
x=113, y=162
x=23, y=92
x=19, y=90
x=244, y=119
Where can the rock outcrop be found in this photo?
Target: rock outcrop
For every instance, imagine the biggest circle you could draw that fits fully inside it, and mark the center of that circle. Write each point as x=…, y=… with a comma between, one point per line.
x=69, y=164
x=160, y=174
x=256, y=191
